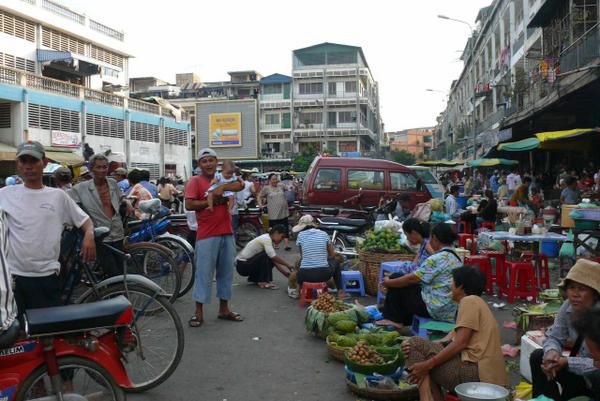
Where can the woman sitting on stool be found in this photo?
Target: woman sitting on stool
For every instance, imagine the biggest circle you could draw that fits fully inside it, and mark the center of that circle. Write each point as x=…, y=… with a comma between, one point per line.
x=425, y=292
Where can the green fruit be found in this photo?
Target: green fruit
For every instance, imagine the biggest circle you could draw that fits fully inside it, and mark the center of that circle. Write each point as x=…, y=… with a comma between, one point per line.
x=344, y=341
x=336, y=317
x=345, y=326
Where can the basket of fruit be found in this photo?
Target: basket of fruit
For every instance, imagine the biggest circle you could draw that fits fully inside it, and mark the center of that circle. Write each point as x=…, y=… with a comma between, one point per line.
x=327, y=315
x=366, y=360
x=337, y=345
x=381, y=246
x=385, y=342
x=402, y=391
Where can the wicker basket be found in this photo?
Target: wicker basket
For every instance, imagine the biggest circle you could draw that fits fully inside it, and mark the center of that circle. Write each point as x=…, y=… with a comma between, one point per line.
x=405, y=394
x=336, y=352
x=370, y=263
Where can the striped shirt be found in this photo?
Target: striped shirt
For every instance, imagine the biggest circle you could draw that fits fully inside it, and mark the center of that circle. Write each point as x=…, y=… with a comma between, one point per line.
x=8, y=310
x=313, y=243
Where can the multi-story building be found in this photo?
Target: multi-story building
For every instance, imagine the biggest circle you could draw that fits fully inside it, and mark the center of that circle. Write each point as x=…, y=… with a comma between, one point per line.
x=335, y=100
x=275, y=121
x=62, y=79
x=417, y=141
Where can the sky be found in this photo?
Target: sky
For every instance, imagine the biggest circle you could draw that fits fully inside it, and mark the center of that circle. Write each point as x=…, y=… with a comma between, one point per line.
x=408, y=49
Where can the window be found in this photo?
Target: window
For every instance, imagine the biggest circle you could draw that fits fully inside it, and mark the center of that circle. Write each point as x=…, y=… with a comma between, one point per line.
x=327, y=180
x=63, y=42
x=272, y=119
x=272, y=89
x=350, y=86
x=365, y=179
x=53, y=118
x=310, y=88
x=107, y=56
x=109, y=72
x=286, y=121
x=348, y=146
x=346, y=117
x=143, y=132
x=403, y=181
x=4, y=115
x=311, y=118
x=174, y=136
x=332, y=88
x=104, y=126
x=18, y=27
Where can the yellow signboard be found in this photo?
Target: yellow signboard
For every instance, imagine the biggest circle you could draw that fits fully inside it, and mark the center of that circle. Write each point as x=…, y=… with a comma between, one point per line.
x=225, y=129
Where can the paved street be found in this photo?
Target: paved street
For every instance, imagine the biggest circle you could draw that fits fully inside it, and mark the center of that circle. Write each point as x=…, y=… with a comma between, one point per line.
x=269, y=356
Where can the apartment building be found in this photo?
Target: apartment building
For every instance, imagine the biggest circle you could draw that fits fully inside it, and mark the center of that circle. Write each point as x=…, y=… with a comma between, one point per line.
x=335, y=100
x=63, y=80
x=275, y=103
x=418, y=141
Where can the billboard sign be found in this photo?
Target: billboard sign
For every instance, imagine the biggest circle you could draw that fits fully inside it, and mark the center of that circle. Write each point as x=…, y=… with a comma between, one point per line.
x=225, y=129
x=64, y=139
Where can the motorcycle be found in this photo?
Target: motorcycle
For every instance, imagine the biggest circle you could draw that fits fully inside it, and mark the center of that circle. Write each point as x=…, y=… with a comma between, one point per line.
x=69, y=353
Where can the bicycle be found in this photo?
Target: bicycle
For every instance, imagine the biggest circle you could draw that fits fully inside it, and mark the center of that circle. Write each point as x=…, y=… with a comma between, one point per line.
x=154, y=230
x=160, y=341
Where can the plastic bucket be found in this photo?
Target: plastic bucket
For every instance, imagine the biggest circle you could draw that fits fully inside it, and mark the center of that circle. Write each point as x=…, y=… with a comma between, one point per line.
x=550, y=249
x=462, y=202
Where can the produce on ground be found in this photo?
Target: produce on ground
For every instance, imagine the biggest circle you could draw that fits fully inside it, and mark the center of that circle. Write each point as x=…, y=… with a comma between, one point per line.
x=365, y=354
x=384, y=240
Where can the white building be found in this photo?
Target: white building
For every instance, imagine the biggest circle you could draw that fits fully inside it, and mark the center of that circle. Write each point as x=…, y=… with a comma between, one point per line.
x=335, y=100
x=275, y=121
x=63, y=75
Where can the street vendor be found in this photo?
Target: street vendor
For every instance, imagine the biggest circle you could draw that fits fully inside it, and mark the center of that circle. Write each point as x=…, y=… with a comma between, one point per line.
x=469, y=353
x=575, y=373
x=425, y=292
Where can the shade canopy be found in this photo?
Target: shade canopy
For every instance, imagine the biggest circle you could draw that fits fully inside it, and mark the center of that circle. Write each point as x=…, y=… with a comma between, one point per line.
x=68, y=158
x=441, y=163
x=520, y=146
x=491, y=162
x=547, y=140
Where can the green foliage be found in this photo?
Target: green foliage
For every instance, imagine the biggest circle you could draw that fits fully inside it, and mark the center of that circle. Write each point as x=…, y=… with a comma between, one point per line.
x=303, y=160
x=403, y=157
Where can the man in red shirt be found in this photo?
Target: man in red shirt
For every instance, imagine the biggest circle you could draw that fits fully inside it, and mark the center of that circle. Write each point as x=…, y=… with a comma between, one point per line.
x=215, y=247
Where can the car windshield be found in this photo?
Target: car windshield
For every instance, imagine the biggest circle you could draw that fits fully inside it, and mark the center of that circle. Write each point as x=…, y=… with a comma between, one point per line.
x=426, y=176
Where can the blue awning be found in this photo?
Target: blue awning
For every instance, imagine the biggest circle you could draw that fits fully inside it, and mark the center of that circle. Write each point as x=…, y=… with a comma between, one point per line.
x=53, y=55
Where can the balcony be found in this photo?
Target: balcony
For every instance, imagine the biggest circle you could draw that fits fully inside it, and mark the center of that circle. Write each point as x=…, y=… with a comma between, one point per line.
x=582, y=52
x=20, y=78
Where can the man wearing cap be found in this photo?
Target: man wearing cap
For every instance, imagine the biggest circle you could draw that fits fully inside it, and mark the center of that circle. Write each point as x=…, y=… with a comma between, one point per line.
x=122, y=181
x=101, y=199
x=35, y=217
x=215, y=248
x=63, y=178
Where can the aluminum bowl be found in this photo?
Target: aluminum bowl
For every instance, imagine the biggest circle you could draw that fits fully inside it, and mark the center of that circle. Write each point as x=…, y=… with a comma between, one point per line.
x=477, y=391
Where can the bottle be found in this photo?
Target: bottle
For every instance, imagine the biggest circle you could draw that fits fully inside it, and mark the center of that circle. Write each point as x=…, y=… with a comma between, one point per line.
x=566, y=256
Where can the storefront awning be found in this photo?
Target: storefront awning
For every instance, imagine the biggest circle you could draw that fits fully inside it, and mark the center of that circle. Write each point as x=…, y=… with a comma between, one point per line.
x=53, y=55
x=491, y=162
x=546, y=140
x=572, y=133
x=520, y=146
x=7, y=152
x=68, y=158
x=441, y=163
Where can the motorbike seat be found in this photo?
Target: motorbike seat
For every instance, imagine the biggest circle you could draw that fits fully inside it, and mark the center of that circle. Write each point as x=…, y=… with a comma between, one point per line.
x=72, y=318
x=347, y=229
x=360, y=223
x=101, y=232
x=10, y=335
x=330, y=211
x=151, y=206
x=369, y=209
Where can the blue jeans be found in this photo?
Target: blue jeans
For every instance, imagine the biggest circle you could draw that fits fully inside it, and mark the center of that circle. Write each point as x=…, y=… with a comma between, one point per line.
x=214, y=254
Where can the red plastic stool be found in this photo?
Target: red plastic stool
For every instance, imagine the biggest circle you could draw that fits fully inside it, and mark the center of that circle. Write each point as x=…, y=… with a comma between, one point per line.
x=499, y=272
x=462, y=242
x=306, y=291
x=490, y=225
x=466, y=227
x=451, y=397
x=544, y=271
x=522, y=282
x=483, y=262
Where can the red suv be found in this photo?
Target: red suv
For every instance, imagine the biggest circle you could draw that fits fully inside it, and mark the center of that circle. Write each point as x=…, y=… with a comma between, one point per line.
x=331, y=180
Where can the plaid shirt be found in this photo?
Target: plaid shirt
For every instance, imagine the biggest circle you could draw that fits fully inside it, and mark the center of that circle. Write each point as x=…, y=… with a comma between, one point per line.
x=8, y=309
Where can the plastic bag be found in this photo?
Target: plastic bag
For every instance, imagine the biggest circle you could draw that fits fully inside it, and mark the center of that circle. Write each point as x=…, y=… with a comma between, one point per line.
x=524, y=391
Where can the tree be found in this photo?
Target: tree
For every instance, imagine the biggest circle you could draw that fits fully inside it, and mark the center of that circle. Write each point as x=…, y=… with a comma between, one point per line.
x=303, y=160
x=403, y=157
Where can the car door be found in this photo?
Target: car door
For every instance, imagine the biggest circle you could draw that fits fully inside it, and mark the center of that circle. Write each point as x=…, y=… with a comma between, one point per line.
x=326, y=188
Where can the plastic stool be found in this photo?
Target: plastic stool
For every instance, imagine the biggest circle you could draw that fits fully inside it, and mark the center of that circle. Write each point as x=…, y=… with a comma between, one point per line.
x=462, y=242
x=490, y=225
x=418, y=321
x=522, y=282
x=542, y=262
x=391, y=267
x=483, y=262
x=306, y=291
x=466, y=227
x=499, y=272
x=353, y=275
x=451, y=397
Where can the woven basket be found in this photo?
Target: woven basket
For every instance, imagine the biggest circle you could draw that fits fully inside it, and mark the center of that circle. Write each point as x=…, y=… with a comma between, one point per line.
x=370, y=263
x=335, y=352
x=405, y=394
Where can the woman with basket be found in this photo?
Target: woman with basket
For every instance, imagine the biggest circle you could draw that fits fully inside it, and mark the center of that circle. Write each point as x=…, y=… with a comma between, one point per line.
x=426, y=291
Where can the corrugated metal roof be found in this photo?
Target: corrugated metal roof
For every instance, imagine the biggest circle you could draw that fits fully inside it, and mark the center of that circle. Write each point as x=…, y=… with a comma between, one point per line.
x=276, y=79
x=51, y=55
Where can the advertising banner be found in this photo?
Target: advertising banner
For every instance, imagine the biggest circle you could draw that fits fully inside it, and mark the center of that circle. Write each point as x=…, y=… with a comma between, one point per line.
x=225, y=129
x=64, y=139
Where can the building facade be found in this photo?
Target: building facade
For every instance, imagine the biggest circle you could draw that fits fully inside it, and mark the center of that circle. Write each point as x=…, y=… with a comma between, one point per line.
x=335, y=100
x=275, y=103
x=63, y=76
x=417, y=141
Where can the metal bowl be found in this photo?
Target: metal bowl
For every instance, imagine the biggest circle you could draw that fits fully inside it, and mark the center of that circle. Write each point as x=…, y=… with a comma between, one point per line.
x=477, y=391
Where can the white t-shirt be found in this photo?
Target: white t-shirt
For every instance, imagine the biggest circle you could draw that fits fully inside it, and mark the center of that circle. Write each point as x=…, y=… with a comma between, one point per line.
x=247, y=191
x=513, y=181
x=256, y=246
x=35, y=219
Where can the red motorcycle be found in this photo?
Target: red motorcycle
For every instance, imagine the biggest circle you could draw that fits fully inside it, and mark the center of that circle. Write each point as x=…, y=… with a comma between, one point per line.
x=70, y=353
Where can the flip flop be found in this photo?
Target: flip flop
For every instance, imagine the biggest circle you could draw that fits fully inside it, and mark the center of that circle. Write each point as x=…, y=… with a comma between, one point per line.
x=232, y=317
x=195, y=321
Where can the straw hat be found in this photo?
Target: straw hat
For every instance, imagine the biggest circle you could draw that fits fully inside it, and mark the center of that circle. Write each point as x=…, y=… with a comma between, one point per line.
x=584, y=272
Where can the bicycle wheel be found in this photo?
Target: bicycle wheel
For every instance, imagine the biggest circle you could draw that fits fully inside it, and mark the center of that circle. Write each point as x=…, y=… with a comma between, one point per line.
x=184, y=258
x=156, y=262
x=160, y=337
x=86, y=378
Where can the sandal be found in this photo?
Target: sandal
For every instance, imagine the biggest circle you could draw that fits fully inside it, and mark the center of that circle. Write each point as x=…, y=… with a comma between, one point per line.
x=268, y=286
x=232, y=317
x=195, y=321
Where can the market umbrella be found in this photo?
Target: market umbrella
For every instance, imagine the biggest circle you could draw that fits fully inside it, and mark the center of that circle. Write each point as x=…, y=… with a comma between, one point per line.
x=491, y=162
x=441, y=163
x=546, y=140
x=520, y=146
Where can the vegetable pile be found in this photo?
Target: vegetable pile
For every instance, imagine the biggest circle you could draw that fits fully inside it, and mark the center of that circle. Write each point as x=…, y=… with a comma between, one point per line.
x=384, y=240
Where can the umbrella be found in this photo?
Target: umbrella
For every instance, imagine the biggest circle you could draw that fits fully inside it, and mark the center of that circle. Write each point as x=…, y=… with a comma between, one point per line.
x=441, y=163
x=491, y=162
x=544, y=140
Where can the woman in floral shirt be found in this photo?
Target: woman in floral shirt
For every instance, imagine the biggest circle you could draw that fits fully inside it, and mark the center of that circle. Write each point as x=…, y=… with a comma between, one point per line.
x=427, y=292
